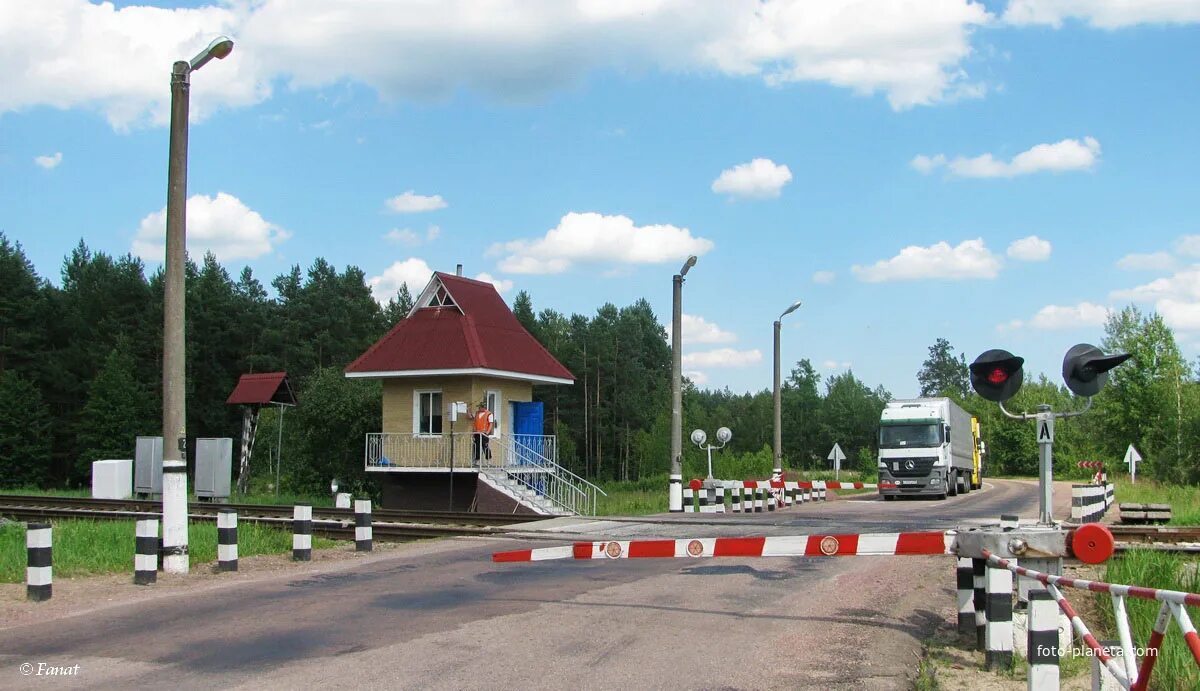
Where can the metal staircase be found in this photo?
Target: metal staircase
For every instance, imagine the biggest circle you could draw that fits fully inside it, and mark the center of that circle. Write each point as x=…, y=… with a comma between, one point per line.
x=536, y=481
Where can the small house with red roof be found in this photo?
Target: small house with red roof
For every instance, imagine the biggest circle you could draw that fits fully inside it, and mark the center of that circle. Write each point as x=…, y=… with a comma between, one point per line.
x=461, y=344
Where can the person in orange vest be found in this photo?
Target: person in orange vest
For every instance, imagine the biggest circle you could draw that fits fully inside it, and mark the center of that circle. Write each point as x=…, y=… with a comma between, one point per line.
x=485, y=424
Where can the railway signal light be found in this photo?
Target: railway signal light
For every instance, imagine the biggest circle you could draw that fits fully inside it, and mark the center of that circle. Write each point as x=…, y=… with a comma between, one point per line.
x=997, y=375
x=1085, y=368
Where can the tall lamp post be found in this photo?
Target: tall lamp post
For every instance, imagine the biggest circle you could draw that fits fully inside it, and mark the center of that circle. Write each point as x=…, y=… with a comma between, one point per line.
x=675, y=496
x=174, y=486
x=778, y=396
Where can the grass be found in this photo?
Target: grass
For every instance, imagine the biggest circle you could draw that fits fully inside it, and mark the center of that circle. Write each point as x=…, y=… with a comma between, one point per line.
x=1175, y=668
x=84, y=548
x=1184, y=499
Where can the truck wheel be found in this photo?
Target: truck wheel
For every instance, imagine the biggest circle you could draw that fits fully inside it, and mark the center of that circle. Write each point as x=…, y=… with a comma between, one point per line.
x=952, y=484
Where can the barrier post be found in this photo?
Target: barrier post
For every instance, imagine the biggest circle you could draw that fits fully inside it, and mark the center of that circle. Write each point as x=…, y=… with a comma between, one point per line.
x=704, y=499
x=39, y=576
x=688, y=499
x=145, y=551
x=978, y=570
x=758, y=499
x=747, y=499
x=965, y=581
x=998, y=634
x=227, y=540
x=364, y=539
x=302, y=533
x=720, y=505
x=1042, y=641
x=735, y=499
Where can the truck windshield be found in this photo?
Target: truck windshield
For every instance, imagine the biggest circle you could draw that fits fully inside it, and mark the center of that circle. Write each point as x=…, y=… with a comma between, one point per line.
x=900, y=436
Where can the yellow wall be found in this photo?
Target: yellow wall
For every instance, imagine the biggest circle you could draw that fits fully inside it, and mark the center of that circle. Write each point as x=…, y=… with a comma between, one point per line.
x=398, y=395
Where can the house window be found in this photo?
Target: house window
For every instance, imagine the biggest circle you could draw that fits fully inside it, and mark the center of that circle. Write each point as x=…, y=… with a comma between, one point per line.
x=427, y=412
x=492, y=398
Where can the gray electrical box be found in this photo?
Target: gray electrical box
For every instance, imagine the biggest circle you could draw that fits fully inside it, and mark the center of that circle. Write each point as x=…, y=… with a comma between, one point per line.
x=147, y=466
x=214, y=467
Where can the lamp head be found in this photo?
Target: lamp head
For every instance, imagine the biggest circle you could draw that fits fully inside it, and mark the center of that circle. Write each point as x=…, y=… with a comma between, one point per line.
x=691, y=261
x=724, y=434
x=220, y=48
x=333, y=486
x=795, y=306
x=699, y=437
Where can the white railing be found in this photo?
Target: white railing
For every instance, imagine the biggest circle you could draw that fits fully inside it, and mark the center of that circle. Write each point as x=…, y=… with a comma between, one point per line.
x=536, y=472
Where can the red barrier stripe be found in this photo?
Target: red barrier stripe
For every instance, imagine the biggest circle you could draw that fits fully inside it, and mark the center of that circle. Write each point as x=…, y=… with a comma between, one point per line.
x=515, y=555
x=739, y=546
x=651, y=548
x=1143, y=682
x=847, y=545
x=1138, y=591
x=1193, y=642
x=582, y=550
x=921, y=543
x=1192, y=599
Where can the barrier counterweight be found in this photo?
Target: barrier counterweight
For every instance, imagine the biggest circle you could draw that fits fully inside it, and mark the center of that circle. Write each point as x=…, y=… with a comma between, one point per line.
x=145, y=556
x=38, y=571
x=363, y=537
x=227, y=540
x=302, y=533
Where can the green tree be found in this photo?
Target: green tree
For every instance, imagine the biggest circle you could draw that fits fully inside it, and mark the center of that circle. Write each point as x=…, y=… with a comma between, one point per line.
x=24, y=433
x=332, y=418
x=523, y=311
x=942, y=374
x=850, y=413
x=398, y=307
x=116, y=412
x=20, y=301
x=800, y=410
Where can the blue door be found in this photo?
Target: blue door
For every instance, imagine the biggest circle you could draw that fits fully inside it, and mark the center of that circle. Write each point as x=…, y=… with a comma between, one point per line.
x=528, y=442
x=527, y=418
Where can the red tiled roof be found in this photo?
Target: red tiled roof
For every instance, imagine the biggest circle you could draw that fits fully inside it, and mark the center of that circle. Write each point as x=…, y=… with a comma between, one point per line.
x=262, y=388
x=484, y=335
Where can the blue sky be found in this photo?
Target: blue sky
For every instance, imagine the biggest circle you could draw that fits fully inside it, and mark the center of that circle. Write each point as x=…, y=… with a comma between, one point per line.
x=876, y=160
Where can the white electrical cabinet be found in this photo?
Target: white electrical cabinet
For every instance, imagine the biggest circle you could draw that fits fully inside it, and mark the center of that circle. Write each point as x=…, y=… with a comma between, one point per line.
x=112, y=479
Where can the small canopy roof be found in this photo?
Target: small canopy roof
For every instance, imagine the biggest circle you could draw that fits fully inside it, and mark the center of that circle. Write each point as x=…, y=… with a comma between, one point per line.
x=261, y=389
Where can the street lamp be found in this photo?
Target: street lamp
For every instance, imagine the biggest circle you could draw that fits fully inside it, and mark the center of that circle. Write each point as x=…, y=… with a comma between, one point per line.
x=675, y=495
x=174, y=487
x=699, y=437
x=778, y=396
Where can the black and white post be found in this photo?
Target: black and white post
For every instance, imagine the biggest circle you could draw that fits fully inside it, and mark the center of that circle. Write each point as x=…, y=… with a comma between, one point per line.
x=302, y=533
x=978, y=573
x=998, y=652
x=39, y=571
x=145, y=556
x=1042, y=640
x=363, y=536
x=227, y=540
x=964, y=576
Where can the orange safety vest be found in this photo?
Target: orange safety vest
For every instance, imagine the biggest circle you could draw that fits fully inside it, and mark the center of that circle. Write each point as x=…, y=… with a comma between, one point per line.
x=483, y=421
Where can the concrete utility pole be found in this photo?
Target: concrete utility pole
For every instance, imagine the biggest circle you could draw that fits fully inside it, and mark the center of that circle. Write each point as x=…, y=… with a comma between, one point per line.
x=778, y=394
x=174, y=485
x=675, y=495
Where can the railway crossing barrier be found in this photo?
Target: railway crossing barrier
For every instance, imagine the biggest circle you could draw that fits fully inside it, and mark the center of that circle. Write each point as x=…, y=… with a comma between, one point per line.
x=757, y=496
x=1089, y=503
x=302, y=533
x=39, y=572
x=145, y=552
x=227, y=540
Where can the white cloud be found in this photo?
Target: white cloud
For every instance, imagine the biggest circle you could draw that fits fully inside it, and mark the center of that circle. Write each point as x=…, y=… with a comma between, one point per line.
x=49, y=162
x=593, y=237
x=410, y=203
x=761, y=178
x=722, y=357
x=503, y=285
x=412, y=272
x=1103, y=14
x=1153, y=261
x=699, y=330
x=1011, y=325
x=1066, y=155
x=1030, y=249
x=222, y=225
x=433, y=233
x=824, y=277
x=76, y=54
x=1085, y=314
x=1188, y=246
x=834, y=365
x=970, y=259
x=698, y=378
x=411, y=238
x=1176, y=298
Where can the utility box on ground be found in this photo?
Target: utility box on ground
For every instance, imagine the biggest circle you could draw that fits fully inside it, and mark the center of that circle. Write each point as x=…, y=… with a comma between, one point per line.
x=112, y=479
x=214, y=468
x=147, y=465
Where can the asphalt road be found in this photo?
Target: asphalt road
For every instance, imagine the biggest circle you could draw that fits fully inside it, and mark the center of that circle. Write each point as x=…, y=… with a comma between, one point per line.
x=443, y=616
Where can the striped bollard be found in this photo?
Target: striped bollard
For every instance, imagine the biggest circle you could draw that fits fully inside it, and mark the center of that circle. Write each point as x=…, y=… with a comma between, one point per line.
x=688, y=498
x=978, y=571
x=747, y=499
x=770, y=499
x=704, y=500
x=758, y=499
x=998, y=653
x=227, y=540
x=1042, y=641
x=38, y=571
x=145, y=553
x=823, y=489
x=302, y=533
x=964, y=577
x=735, y=498
x=720, y=506
x=363, y=537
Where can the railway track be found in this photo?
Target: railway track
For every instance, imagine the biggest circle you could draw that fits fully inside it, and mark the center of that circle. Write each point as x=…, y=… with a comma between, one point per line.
x=1162, y=538
x=334, y=523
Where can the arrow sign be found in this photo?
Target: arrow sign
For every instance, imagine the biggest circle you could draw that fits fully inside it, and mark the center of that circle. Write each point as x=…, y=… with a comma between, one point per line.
x=836, y=455
x=1132, y=458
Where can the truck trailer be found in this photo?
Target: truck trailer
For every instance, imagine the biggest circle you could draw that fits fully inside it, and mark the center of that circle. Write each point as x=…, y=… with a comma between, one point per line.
x=928, y=446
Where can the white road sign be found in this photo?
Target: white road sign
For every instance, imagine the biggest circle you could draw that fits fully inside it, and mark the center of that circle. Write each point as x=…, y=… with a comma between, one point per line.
x=1132, y=458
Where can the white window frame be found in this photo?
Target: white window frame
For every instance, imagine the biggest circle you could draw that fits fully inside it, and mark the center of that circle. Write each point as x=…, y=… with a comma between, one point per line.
x=416, y=415
x=499, y=401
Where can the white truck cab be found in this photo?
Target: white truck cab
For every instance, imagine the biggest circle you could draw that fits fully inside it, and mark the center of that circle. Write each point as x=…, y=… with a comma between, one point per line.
x=926, y=447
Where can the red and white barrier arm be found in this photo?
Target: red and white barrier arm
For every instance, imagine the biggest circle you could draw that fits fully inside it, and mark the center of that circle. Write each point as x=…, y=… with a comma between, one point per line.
x=861, y=545
x=1090, y=640
x=1174, y=596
